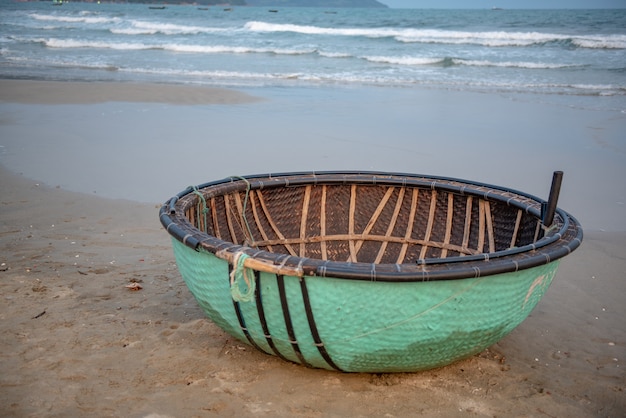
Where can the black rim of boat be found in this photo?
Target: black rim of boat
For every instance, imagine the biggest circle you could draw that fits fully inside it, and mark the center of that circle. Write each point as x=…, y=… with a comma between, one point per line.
x=555, y=245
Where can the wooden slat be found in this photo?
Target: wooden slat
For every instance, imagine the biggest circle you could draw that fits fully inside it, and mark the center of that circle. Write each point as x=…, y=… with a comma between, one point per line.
x=518, y=220
x=376, y=238
x=323, y=223
x=275, y=227
x=374, y=217
x=303, y=220
x=201, y=217
x=409, y=227
x=351, y=215
x=239, y=206
x=242, y=221
x=216, y=225
x=392, y=224
x=429, y=225
x=468, y=222
x=489, y=224
x=449, y=218
x=257, y=219
x=191, y=215
x=481, y=226
x=537, y=230
x=229, y=221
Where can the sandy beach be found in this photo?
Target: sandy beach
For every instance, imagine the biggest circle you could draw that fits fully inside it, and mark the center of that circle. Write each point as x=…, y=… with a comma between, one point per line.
x=76, y=92
x=76, y=341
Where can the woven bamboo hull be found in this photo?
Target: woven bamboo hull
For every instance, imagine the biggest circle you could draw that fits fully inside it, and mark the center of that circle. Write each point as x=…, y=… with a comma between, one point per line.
x=365, y=272
x=365, y=326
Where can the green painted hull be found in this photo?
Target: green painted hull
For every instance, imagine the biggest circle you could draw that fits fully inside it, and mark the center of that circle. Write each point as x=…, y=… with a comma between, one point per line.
x=367, y=271
x=366, y=326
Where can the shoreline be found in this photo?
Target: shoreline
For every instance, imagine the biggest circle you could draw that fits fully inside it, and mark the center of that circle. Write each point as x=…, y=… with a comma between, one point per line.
x=90, y=92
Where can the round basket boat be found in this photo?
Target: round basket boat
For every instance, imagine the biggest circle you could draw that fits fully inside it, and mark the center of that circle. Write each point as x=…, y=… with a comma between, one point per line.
x=366, y=271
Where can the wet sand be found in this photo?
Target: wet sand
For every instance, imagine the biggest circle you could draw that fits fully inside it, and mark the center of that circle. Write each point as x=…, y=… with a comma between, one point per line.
x=76, y=341
x=76, y=92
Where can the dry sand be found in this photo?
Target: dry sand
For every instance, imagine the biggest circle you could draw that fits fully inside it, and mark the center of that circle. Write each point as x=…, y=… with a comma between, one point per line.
x=75, y=341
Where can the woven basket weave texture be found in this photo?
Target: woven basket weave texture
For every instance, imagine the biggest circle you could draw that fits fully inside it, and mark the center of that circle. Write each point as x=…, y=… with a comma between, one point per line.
x=366, y=327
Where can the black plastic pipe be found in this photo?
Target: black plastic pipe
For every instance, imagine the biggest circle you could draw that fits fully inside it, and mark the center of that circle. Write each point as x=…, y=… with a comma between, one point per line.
x=548, y=214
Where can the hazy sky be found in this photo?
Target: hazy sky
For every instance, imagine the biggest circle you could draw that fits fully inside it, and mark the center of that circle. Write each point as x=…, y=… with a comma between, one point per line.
x=507, y=4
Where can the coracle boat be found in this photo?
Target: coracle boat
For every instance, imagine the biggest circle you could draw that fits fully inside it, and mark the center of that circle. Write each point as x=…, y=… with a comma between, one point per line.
x=367, y=271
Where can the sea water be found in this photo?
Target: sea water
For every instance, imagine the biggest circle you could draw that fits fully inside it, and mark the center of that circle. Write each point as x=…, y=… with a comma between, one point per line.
x=503, y=97
x=576, y=53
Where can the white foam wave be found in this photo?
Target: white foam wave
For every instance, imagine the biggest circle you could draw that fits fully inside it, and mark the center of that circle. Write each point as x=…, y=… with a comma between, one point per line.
x=256, y=26
x=212, y=75
x=490, y=39
x=333, y=54
x=202, y=49
x=404, y=60
x=602, y=89
x=73, y=19
x=512, y=39
x=57, y=62
x=510, y=64
x=139, y=27
x=601, y=42
x=73, y=43
x=416, y=61
x=220, y=49
x=410, y=35
x=247, y=77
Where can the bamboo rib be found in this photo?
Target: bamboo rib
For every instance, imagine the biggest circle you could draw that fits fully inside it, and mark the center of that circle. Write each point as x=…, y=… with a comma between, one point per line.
x=259, y=225
x=537, y=230
x=518, y=220
x=377, y=238
x=429, y=226
x=249, y=240
x=409, y=227
x=323, y=223
x=392, y=224
x=216, y=225
x=468, y=222
x=352, y=257
x=490, y=234
x=297, y=245
x=239, y=206
x=198, y=216
x=375, y=215
x=449, y=217
x=481, y=226
x=274, y=227
x=191, y=215
x=304, y=217
x=229, y=221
